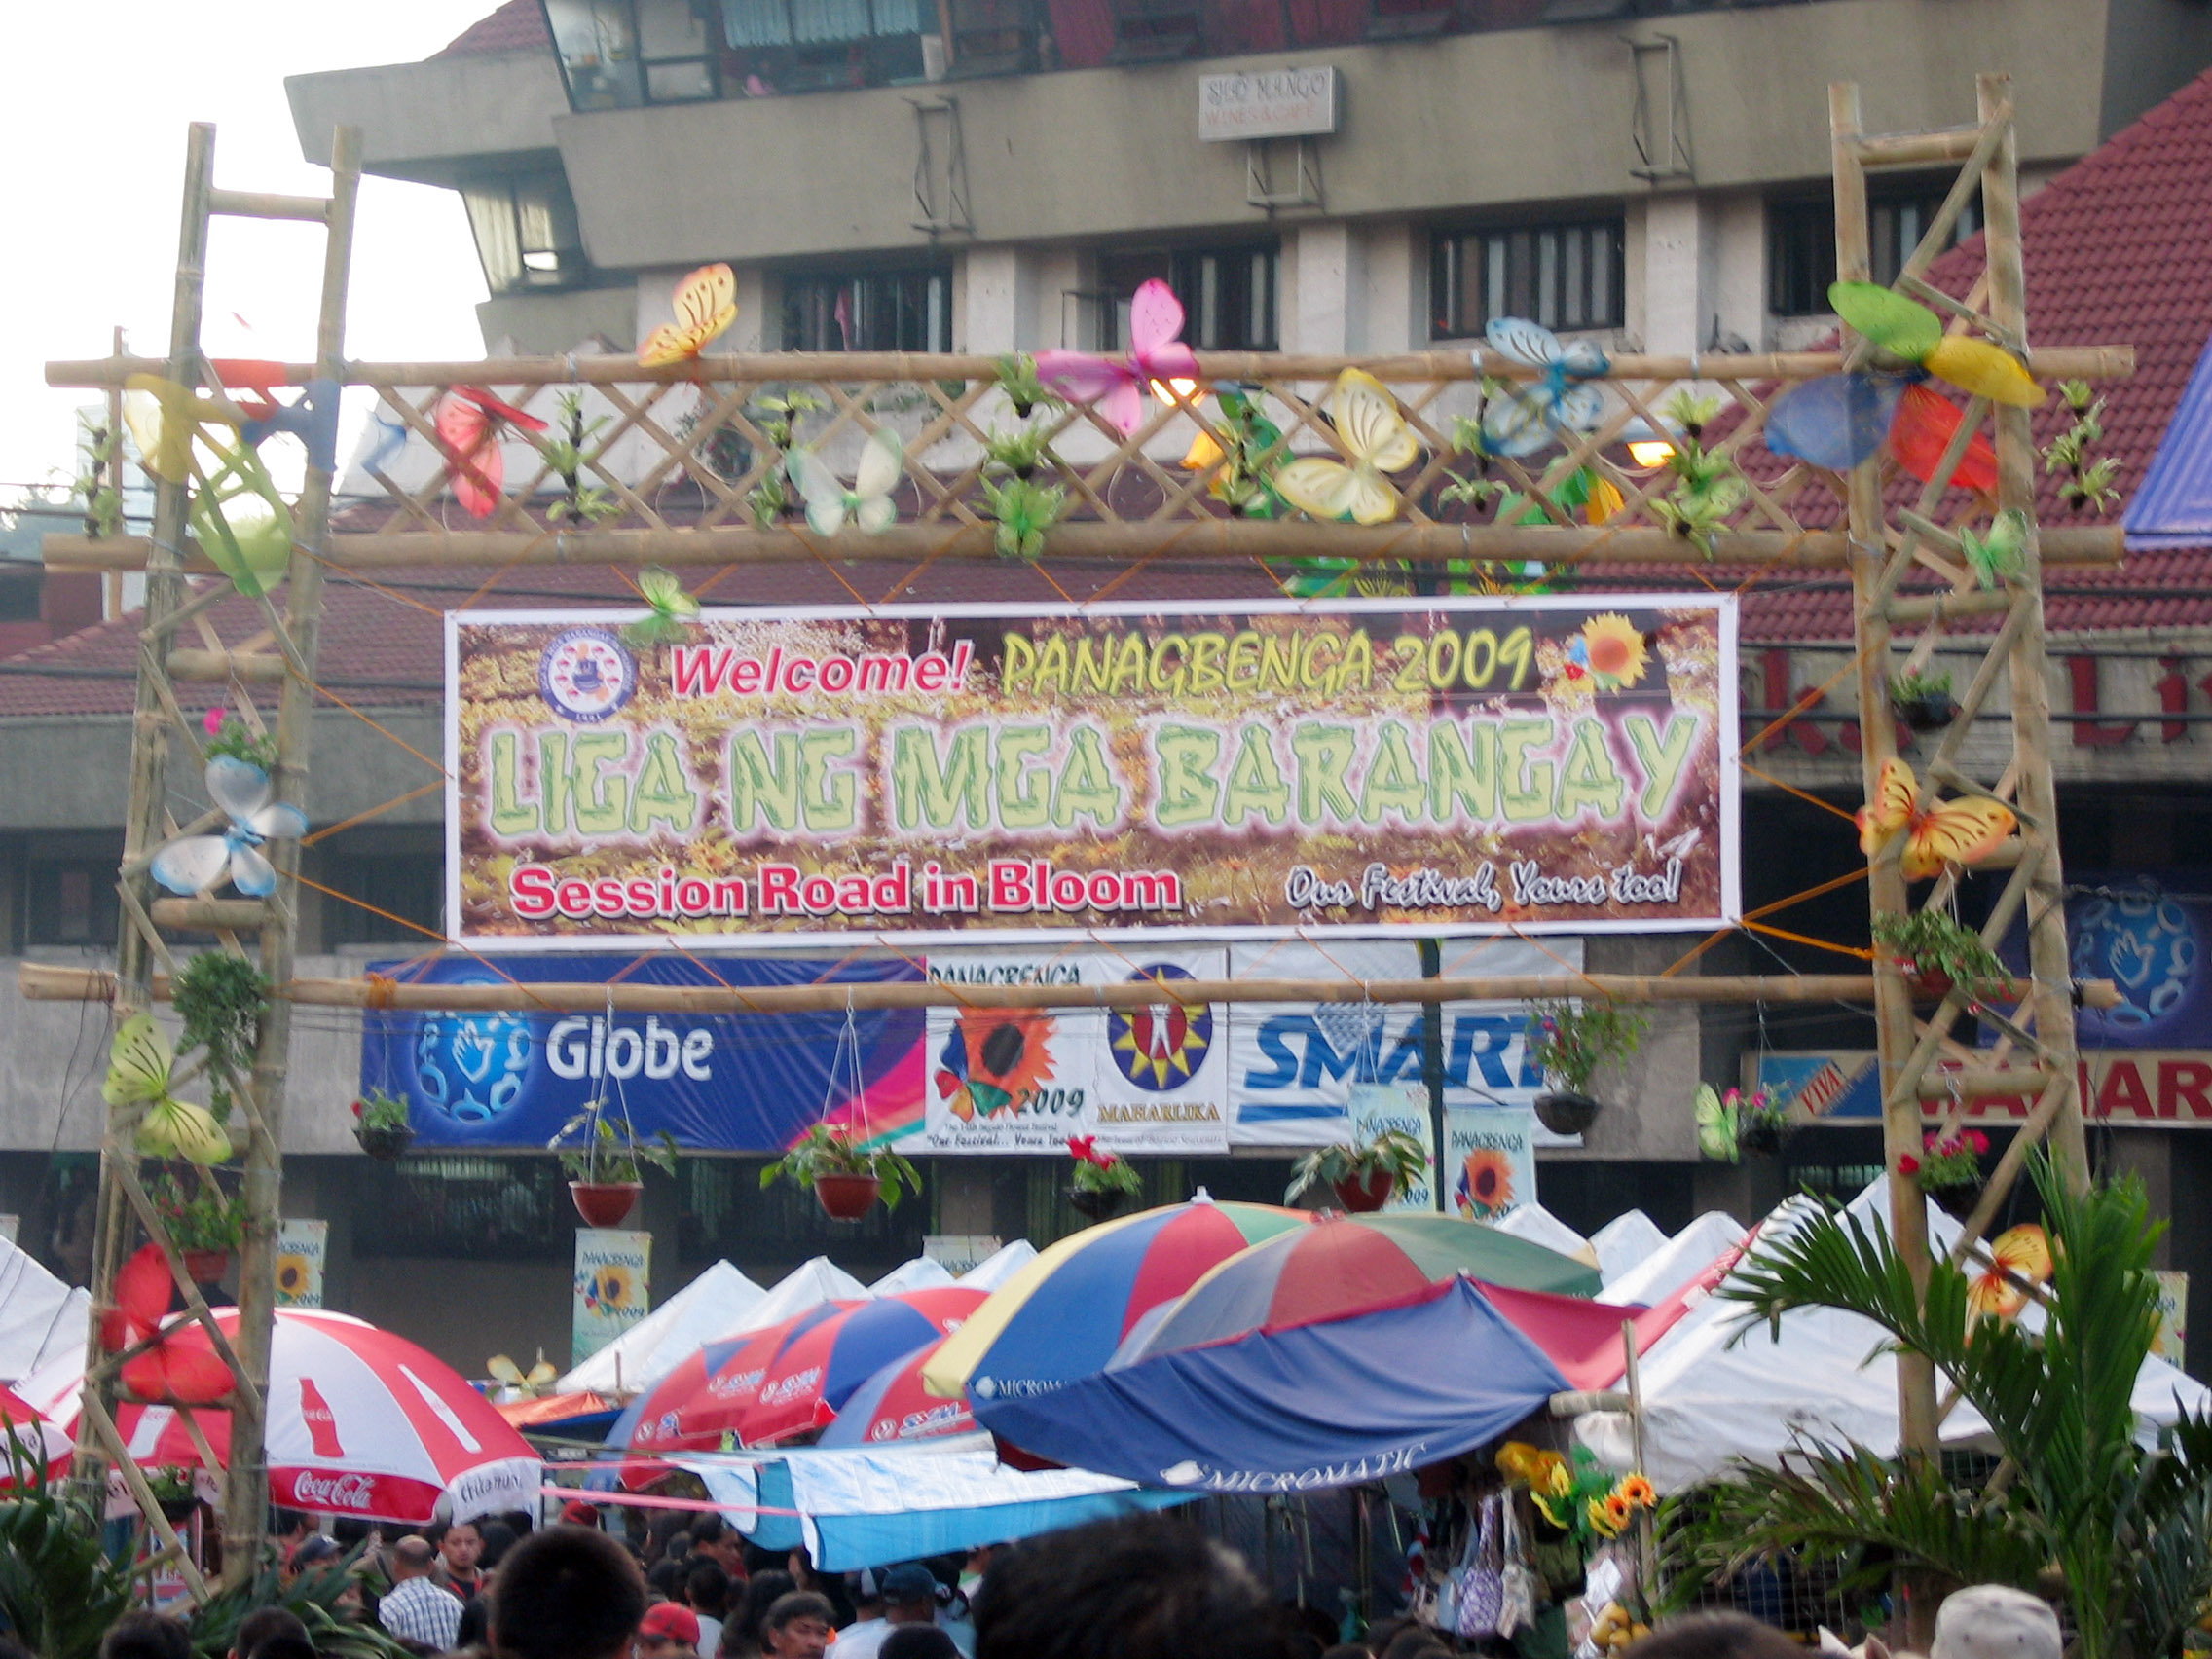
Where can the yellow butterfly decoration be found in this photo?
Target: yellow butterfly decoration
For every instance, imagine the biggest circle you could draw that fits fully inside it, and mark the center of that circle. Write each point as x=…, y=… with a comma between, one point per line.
x=138, y=1072
x=1951, y=832
x=2018, y=1256
x=236, y=512
x=532, y=1383
x=706, y=303
x=1377, y=437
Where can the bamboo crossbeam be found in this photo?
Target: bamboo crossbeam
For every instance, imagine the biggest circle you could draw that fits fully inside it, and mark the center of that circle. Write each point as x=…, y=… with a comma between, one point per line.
x=46, y=982
x=1167, y=540
x=1953, y=145
x=222, y=667
x=1942, y=606
x=2055, y=362
x=210, y=915
x=1999, y=1083
x=262, y=204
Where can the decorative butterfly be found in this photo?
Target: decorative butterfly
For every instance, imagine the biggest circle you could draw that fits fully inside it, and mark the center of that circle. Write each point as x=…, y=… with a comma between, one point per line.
x=311, y=417
x=241, y=789
x=1377, y=437
x=174, y=426
x=1997, y=556
x=1116, y=386
x=531, y=1383
x=1839, y=421
x=1951, y=832
x=674, y=611
x=1719, y=1125
x=706, y=303
x=140, y=1066
x=867, y=503
x=381, y=444
x=1525, y=419
x=185, y=1373
x=2018, y=1254
x=469, y=424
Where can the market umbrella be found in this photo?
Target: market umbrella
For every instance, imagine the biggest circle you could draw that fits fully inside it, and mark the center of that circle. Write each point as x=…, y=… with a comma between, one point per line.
x=816, y=1374
x=32, y=1437
x=361, y=1423
x=1063, y=1315
x=693, y=1404
x=1337, y=1402
x=1344, y=1264
x=894, y=1407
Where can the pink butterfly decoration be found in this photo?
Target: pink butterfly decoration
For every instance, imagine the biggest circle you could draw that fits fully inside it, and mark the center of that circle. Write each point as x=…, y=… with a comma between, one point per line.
x=1118, y=384
x=469, y=424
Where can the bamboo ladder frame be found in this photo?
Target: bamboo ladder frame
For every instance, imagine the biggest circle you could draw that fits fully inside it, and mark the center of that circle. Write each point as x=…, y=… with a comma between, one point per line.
x=2042, y=1023
x=123, y=1208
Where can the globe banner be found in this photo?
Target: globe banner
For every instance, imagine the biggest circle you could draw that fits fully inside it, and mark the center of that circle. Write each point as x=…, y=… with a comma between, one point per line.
x=991, y=774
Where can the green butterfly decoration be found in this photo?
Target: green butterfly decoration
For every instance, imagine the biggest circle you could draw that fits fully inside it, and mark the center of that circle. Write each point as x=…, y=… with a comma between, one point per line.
x=1024, y=512
x=1907, y=328
x=1998, y=556
x=1718, y=1126
x=139, y=1068
x=674, y=611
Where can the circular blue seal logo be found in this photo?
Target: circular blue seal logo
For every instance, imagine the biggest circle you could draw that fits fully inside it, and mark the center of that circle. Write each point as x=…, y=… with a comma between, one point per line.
x=473, y=1068
x=1159, y=1048
x=2146, y=942
x=587, y=674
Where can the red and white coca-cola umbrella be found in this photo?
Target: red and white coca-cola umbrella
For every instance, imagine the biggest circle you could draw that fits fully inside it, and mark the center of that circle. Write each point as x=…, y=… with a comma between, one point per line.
x=34, y=1439
x=360, y=1423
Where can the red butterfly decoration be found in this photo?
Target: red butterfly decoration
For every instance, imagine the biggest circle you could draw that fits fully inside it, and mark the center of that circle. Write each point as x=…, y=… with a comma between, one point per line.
x=470, y=422
x=174, y=1371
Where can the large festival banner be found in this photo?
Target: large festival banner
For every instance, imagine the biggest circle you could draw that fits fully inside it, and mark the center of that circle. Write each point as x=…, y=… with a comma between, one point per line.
x=993, y=774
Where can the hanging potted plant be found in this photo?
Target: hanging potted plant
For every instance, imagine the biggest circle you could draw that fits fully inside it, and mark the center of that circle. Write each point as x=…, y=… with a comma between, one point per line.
x=219, y=999
x=1363, y=1174
x=602, y=1163
x=202, y=1223
x=173, y=1492
x=1935, y=953
x=845, y=1177
x=1101, y=1182
x=1948, y=1168
x=1567, y=1044
x=1762, y=1125
x=1922, y=701
x=381, y=1125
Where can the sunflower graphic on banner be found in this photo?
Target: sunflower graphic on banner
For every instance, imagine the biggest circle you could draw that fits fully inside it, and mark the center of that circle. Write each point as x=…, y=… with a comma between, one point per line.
x=1491, y=1152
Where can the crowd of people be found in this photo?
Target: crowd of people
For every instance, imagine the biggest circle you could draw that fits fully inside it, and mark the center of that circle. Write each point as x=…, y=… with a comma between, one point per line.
x=1146, y=1587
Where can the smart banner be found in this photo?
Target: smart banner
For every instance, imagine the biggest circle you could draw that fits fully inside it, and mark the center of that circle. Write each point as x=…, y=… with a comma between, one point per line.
x=1151, y=1079
x=991, y=774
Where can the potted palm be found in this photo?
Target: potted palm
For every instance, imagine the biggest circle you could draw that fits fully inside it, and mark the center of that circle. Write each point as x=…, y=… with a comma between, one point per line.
x=845, y=1176
x=204, y=1225
x=1567, y=1044
x=1101, y=1182
x=381, y=1125
x=1935, y=953
x=602, y=1163
x=1363, y=1174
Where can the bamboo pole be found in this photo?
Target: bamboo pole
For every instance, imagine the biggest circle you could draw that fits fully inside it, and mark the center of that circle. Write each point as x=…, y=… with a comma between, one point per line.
x=46, y=982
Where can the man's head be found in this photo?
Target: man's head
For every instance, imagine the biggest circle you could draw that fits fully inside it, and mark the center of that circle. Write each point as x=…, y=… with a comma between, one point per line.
x=1992, y=1621
x=312, y=1553
x=917, y=1641
x=909, y=1594
x=258, y=1626
x=707, y=1588
x=411, y=1558
x=669, y=1632
x=459, y=1544
x=1718, y=1636
x=565, y=1593
x=146, y=1636
x=1148, y=1587
x=286, y=1647
x=797, y=1626
x=712, y=1538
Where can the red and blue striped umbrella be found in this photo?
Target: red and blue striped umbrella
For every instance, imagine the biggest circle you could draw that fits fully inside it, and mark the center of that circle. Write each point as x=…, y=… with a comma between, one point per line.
x=819, y=1369
x=690, y=1409
x=893, y=1407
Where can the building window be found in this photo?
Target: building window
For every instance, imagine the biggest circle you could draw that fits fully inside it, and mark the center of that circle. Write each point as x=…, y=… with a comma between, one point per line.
x=1801, y=244
x=620, y=53
x=885, y=311
x=725, y=1212
x=1563, y=276
x=71, y=903
x=460, y=1206
x=526, y=230
x=405, y=887
x=1228, y=295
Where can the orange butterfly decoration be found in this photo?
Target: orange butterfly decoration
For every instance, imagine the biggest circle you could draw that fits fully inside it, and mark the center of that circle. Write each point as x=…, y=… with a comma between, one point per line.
x=1951, y=832
x=706, y=303
x=2017, y=1257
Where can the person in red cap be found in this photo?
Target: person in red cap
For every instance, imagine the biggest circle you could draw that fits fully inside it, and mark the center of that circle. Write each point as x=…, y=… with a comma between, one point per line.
x=577, y=1513
x=671, y=1631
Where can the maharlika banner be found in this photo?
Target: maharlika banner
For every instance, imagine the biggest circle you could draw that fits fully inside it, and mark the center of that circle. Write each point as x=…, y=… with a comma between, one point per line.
x=1000, y=775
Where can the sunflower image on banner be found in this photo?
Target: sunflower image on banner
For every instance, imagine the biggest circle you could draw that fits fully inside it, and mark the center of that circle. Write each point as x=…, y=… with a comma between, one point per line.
x=302, y=1247
x=613, y=1268
x=1491, y=1152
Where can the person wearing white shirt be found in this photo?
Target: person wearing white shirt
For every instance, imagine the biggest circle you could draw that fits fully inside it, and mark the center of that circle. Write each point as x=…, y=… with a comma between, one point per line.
x=909, y=1597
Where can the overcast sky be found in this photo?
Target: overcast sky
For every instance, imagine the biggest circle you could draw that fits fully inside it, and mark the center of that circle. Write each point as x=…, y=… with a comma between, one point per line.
x=93, y=134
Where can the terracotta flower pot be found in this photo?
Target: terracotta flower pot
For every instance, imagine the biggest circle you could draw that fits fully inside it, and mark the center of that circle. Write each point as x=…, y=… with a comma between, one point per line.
x=1957, y=1203
x=846, y=1197
x=1764, y=1139
x=1566, y=1110
x=386, y=1144
x=1096, y=1203
x=603, y=1203
x=1929, y=984
x=1360, y=1196
x=207, y=1267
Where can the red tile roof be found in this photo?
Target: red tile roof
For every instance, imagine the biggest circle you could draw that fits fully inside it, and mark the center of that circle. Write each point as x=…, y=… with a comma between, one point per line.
x=517, y=27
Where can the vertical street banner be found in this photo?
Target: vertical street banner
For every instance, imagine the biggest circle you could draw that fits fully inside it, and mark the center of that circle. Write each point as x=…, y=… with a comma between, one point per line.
x=1490, y=1161
x=613, y=1268
x=1148, y=1080
x=303, y=1247
x=997, y=775
x=1379, y=1107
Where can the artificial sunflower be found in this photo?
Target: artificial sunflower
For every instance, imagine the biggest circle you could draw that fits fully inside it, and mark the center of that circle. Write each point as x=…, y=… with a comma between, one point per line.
x=1618, y=1511
x=1614, y=649
x=1486, y=1185
x=1637, y=1491
x=1599, y=1512
x=2019, y=1253
x=1605, y=500
x=1010, y=1056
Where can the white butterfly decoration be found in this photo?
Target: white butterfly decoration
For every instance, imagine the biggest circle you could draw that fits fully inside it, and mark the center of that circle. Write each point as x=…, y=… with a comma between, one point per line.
x=241, y=790
x=1523, y=420
x=867, y=503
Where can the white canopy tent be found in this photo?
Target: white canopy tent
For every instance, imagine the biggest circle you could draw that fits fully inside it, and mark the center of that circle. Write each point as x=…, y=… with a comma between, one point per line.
x=40, y=1318
x=1674, y=1263
x=1710, y=1399
x=994, y=1269
x=1626, y=1241
x=1538, y=1226
x=718, y=1301
x=921, y=1273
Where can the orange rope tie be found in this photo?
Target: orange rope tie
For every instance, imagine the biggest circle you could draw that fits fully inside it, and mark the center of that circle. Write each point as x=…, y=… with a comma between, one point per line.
x=1793, y=788
x=1815, y=943
x=476, y=957
x=1802, y=704
x=373, y=812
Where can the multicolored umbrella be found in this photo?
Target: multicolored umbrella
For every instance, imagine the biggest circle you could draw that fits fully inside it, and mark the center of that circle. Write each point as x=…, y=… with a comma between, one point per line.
x=809, y=1383
x=1063, y=1315
x=361, y=1423
x=894, y=1407
x=692, y=1408
x=1347, y=1264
